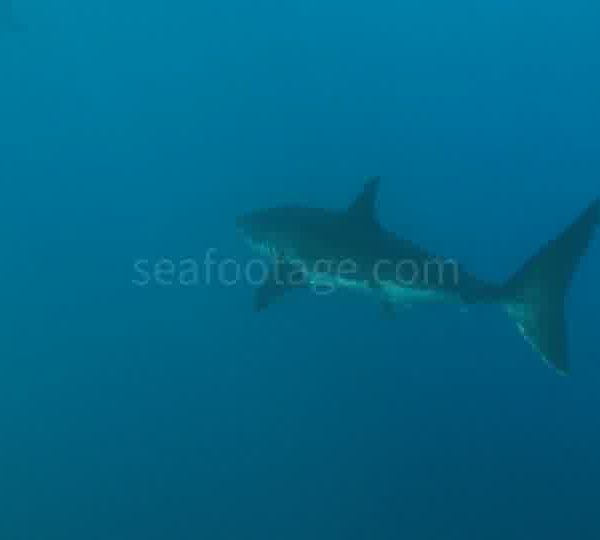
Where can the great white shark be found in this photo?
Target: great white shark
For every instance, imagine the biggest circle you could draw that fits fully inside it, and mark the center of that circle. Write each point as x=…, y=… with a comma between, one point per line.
x=349, y=249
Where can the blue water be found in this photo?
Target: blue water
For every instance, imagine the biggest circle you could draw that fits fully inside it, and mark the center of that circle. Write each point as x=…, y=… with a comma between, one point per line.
x=140, y=130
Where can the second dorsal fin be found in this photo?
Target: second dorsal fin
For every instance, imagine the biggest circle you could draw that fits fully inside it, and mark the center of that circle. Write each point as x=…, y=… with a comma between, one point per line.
x=364, y=206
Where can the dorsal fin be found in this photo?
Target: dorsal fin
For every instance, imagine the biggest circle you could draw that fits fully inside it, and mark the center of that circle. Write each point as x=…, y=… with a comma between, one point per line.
x=364, y=205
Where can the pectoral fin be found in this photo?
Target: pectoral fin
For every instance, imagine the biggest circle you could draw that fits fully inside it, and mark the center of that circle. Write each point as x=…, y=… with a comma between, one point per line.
x=282, y=277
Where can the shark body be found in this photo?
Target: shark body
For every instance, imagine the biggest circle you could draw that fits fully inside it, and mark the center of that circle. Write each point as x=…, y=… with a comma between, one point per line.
x=349, y=249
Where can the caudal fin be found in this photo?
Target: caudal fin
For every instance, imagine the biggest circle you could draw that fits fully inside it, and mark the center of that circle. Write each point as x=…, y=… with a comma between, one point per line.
x=535, y=295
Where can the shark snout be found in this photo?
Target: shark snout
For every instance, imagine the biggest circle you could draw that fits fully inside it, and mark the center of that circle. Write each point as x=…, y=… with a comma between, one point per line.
x=240, y=223
x=246, y=227
x=243, y=224
x=251, y=223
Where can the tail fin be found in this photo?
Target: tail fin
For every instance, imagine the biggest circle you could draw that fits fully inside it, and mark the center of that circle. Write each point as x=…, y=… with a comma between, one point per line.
x=535, y=295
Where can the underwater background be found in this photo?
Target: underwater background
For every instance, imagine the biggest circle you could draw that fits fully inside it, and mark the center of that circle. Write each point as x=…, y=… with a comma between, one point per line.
x=138, y=131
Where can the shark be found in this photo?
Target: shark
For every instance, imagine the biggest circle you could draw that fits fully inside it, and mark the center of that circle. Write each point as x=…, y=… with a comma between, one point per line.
x=349, y=249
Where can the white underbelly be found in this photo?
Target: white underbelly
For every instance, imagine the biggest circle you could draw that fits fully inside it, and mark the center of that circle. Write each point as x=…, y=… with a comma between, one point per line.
x=408, y=295
x=389, y=292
